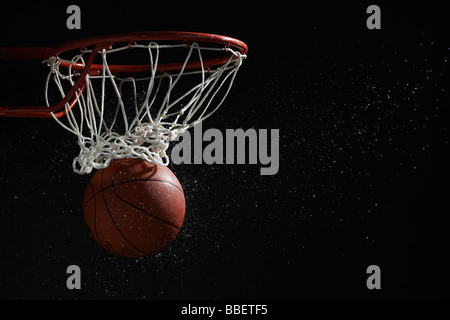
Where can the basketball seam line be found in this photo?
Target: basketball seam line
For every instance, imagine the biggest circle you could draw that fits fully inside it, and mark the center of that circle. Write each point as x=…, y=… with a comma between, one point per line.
x=144, y=211
x=131, y=204
x=132, y=160
x=114, y=222
x=95, y=212
x=128, y=181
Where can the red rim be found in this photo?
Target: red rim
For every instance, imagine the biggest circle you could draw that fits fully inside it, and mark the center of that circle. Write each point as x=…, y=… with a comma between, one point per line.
x=106, y=42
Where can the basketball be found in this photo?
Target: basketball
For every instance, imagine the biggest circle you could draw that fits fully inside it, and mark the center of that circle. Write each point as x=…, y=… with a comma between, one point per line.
x=134, y=208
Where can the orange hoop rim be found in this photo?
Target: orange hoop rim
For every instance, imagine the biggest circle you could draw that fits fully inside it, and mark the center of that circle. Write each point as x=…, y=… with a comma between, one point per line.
x=105, y=42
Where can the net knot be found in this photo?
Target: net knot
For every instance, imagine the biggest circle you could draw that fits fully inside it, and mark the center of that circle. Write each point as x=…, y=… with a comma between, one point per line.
x=53, y=63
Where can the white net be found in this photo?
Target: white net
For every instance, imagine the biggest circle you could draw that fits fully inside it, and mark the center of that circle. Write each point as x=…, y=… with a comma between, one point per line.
x=119, y=116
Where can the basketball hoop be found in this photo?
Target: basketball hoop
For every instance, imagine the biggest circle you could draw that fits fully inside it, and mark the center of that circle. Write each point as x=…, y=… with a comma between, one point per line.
x=132, y=110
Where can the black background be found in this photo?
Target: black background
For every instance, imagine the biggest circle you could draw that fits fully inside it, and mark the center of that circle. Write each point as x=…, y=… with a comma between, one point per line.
x=363, y=178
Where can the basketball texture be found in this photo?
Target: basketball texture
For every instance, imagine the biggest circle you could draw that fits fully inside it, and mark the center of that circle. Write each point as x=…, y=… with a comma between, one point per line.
x=134, y=208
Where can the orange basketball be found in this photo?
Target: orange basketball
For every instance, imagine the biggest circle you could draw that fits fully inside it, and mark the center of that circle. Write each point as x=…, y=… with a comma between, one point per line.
x=134, y=208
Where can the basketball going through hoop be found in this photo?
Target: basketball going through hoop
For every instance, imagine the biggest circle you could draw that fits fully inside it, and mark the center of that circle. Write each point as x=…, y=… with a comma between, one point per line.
x=126, y=97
